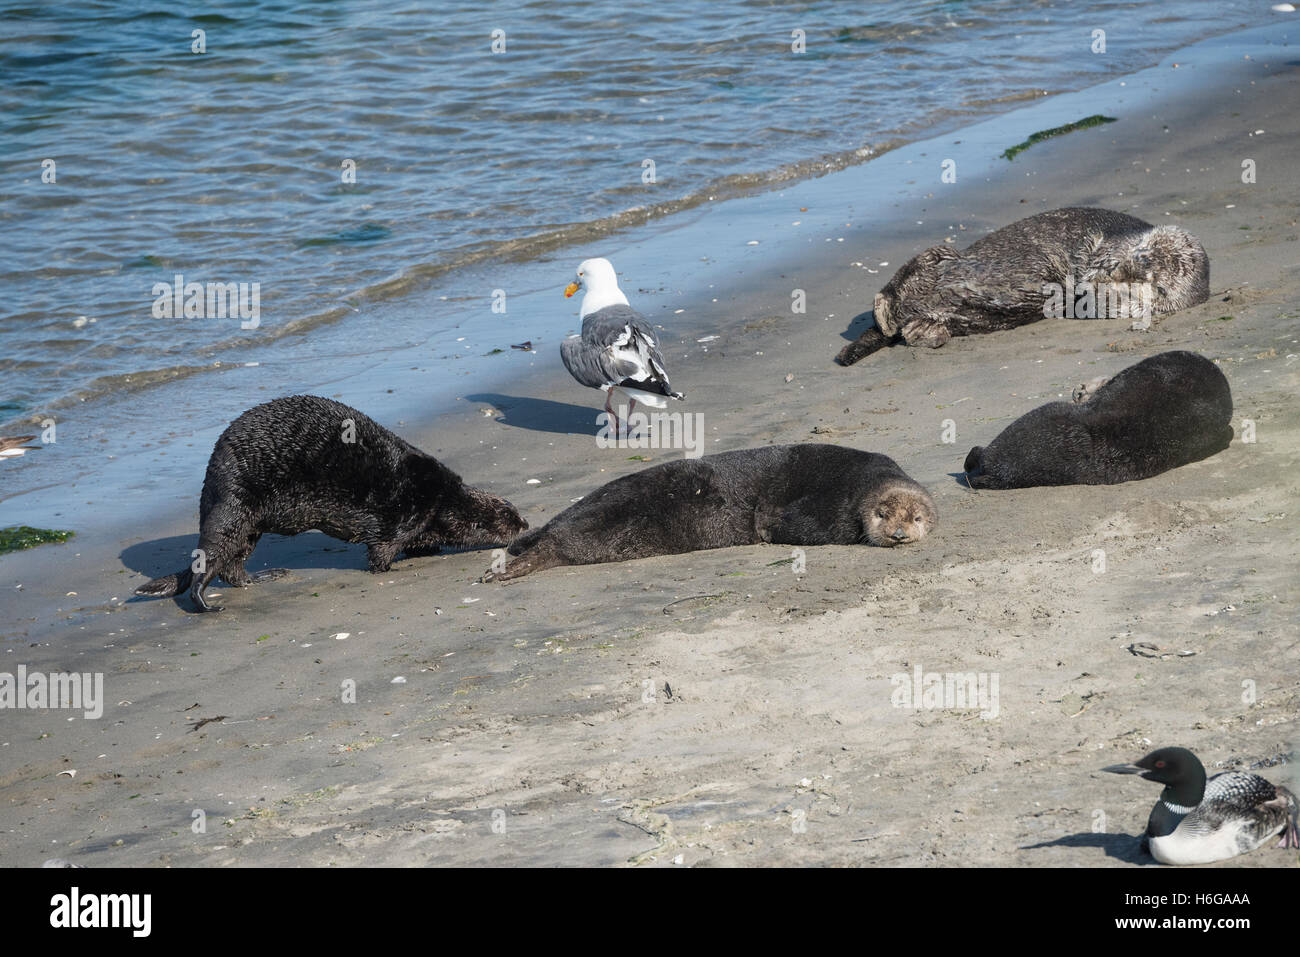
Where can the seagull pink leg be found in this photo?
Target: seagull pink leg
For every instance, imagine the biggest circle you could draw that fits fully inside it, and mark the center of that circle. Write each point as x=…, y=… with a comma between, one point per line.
x=613, y=416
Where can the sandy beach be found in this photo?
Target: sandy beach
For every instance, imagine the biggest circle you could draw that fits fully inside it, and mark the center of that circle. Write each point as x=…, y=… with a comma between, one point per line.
x=721, y=708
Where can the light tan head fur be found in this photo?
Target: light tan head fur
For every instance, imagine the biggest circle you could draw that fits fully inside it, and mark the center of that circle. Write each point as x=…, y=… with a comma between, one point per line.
x=897, y=515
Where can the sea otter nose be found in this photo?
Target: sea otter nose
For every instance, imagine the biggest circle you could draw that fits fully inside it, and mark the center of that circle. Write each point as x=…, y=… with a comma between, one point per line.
x=898, y=535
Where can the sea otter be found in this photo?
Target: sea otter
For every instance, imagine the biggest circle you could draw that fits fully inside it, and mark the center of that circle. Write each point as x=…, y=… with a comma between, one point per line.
x=1163, y=412
x=303, y=462
x=808, y=494
x=1108, y=264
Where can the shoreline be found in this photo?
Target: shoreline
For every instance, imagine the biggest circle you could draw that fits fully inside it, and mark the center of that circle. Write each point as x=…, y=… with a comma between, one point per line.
x=304, y=300
x=530, y=699
x=419, y=381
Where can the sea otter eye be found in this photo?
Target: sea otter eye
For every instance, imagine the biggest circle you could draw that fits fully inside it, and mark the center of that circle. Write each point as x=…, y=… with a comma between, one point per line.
x=880, y=513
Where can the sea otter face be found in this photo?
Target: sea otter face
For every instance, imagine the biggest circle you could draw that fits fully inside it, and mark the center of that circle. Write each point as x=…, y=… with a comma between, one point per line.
x=899, y=516
x=480, y=518
x=1173, y=264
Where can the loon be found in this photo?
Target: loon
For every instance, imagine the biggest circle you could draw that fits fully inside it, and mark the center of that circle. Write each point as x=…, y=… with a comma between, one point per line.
x=15, y=445
x=1196, y=822
x=617, y=351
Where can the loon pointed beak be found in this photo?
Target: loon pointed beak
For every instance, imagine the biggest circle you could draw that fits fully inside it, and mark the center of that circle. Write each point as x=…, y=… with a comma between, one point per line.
x=1124, y=769
x=571, y=288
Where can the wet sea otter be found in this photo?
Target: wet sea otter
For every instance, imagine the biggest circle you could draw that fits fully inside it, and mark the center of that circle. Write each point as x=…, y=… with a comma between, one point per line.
x=1034, y=268
x=303, y=462
x=809, y=494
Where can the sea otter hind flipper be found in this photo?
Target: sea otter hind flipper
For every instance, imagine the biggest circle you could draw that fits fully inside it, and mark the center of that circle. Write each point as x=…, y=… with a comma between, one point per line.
x=197, y=589
x=873, y=340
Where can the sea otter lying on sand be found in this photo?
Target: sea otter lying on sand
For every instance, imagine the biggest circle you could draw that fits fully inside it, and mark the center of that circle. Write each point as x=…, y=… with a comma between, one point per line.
x=1116, y=264
x=1163, y=412
x=303, y=462
x=790, y=494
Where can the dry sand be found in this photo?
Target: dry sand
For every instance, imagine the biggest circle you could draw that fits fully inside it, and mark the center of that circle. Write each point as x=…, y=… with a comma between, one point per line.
x=535, y=723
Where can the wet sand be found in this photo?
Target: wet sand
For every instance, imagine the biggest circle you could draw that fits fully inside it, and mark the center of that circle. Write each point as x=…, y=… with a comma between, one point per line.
x=717, y=708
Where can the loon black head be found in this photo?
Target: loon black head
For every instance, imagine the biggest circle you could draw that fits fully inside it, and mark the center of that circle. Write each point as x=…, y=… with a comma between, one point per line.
x=1180, y=771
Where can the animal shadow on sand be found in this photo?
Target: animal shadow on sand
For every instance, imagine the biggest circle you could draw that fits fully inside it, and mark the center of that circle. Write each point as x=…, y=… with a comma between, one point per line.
x=541, y=415
x=312, y=551
x=1121, y=847
x=859, y=324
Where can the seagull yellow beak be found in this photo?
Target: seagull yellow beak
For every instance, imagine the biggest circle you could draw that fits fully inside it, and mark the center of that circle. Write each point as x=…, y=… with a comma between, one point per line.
x=571, y=288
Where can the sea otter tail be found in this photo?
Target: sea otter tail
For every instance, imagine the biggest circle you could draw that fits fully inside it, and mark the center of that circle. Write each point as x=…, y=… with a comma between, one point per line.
x=168, y=585
x=870, y=341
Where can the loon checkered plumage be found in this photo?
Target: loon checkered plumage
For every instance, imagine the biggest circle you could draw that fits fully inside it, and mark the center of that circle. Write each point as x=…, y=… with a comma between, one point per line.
x=1198, y=821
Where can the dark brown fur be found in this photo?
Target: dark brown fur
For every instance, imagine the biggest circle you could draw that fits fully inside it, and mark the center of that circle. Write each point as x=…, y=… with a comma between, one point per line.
x=997, y=282
x=1163, y=412
x=287, y=466
x=791, y=494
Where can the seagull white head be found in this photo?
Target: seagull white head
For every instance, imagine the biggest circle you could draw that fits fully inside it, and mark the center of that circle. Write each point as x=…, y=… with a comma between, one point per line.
x=597, y=277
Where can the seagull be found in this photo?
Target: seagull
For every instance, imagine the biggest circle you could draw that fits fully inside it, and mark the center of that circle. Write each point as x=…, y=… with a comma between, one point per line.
x=617, y=351
x=1196, y=822
x=11, y=446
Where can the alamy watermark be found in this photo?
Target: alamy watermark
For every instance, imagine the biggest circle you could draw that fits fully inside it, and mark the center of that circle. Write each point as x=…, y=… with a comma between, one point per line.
x=58, y=689
x=129, y=911
x=934, y=690
x=652, y=430
x=1098, y=300
x=211, y=300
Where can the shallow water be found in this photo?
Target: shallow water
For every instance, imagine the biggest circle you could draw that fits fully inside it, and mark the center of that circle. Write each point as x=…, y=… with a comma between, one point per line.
x=226, y=166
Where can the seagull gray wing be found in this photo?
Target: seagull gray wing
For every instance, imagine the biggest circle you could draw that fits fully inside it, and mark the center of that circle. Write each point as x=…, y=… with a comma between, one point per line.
x=588, y=364
x=617, y=348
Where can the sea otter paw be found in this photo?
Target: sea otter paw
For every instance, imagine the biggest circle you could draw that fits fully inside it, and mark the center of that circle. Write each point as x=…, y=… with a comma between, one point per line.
x=1086, y=390
x=931, y=332
x=380, y=557
x=522, y=565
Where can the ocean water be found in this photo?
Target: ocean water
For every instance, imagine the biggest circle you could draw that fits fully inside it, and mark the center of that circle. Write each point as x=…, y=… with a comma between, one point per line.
x=480, y=136
x=228, y=165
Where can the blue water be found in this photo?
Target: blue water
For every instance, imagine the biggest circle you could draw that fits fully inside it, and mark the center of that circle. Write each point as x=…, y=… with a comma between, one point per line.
x=227, y=165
